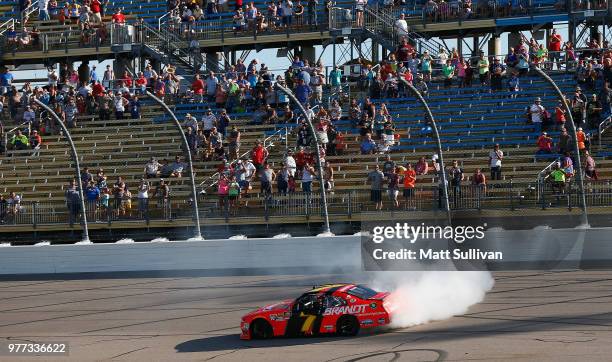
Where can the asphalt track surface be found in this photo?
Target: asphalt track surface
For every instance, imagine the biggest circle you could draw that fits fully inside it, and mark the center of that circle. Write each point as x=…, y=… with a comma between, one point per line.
x=528, y=316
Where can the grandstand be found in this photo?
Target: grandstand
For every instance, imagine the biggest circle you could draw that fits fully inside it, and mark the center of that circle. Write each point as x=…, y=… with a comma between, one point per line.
x=471, y=119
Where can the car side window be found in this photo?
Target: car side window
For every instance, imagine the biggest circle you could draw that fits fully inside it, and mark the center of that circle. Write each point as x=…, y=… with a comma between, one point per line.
x=334, y=301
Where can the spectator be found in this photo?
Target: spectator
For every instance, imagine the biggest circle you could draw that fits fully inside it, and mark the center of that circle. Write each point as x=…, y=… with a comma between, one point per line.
x=209, y=121
x=401, y=26
x=555, y=41
x=581, y=138
x=162, y=191
x=152, y=168
x=376, y=178
x=456, y=176
x=368, y=146
x=593, y=112
x=120, y=103
x=393, y=186
x=143, y=197
x=545, y=144
x=495, y=161
x=92, y=193
x=483, y=69
x=177, y=167
x=266, y=178
x=308, y=173
x=96, y=11
x=35, y=143
x=479, y=179
x=259, y=154
x=245, y=171
x=558, y=179
x=43, y=10
x=422, y=167
x=536, y=114
x=19, y=141
x=109, y=77
x=409, y=185
x=73, y=201
x=590, y=170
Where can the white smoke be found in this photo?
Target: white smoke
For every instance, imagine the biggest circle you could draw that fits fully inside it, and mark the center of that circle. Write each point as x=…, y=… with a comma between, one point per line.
x=160, y=240
x=421, y=297
x=5, y=245
x=195, y=239
x=43, y=243
x=238, y=237
x=125, y=241
x=281, y=236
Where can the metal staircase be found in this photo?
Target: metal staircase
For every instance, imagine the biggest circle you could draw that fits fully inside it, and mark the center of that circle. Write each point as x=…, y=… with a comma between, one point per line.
x=380, y=24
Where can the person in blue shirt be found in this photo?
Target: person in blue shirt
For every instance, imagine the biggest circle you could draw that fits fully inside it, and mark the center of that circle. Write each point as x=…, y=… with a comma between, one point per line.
x=6, y=80
x=92, y=193
x=135, y=107
x=335, y=79
x=368, y=146
x=297, y=63
x=303, y=92
x=93, y=76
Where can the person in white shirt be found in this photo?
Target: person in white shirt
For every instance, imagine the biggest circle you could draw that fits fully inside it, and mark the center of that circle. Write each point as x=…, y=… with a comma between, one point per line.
x=43, y=10
x=209, y=121
x=84, y=90
x=495, y=161
x=120, y=103
x=192, y=122
x=109, y=77
x=29, y=115
x=290, y=163
x=536, y=111
x=401, y=26
x=442, y=57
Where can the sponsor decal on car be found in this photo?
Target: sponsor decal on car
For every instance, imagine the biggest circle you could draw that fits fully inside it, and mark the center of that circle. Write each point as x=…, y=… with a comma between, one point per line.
x=367, y=321
x=353, y=309
x=329, y=328
x=373, y=305
x=381, y=320
x=280, y=316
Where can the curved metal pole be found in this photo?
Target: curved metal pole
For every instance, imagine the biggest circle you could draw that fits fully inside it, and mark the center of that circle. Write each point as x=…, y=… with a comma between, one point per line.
x=434, y=127
x=196, y=212
x=572, y=129
x=319, y=167
x=77, y=167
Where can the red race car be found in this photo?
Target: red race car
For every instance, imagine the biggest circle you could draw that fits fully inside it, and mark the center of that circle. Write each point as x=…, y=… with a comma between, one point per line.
x=342, y=309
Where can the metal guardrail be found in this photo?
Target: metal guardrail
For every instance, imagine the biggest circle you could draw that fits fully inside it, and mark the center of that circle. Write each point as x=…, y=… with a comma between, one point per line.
x=603, y=127
x=506, y=199
x=9, y=24
x=21, y=125
x=267, y=142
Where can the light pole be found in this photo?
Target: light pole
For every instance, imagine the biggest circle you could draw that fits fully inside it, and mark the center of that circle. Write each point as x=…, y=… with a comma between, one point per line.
x=196, y=212
x=319, y=167
x=77, y=167
x=434, y=127
x=572, y=129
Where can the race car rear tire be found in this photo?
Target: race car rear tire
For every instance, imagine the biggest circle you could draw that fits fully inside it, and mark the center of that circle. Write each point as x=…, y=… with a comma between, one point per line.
x=347, y=326
x=261, y=329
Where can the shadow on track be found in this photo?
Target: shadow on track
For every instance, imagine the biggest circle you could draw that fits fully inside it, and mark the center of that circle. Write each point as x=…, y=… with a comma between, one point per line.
x=233, y=341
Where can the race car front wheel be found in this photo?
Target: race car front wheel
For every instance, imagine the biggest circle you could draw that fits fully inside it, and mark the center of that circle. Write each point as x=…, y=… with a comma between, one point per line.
x=347, y=326
x=261, y=329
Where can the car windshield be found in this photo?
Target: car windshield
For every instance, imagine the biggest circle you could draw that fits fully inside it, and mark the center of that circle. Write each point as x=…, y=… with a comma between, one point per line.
x=362, y=292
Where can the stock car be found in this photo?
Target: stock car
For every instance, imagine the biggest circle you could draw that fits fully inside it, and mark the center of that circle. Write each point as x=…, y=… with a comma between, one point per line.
x=341, y=309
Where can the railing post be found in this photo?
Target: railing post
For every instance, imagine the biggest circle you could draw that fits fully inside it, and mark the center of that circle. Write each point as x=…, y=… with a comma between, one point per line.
x=34, y=213
x=511, y=196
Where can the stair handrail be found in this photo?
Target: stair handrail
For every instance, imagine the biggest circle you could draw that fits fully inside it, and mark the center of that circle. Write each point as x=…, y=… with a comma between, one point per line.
x=7, y=25
x=215, y=177
x=28, y=11
x=159, y=21
x=603, y=127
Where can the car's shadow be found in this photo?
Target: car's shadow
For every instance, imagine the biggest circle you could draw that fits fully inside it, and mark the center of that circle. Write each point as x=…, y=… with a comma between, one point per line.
x=233, y=341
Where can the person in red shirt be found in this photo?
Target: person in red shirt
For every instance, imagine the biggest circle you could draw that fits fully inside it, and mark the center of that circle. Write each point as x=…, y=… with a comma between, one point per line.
x=554, y=48
x=198, y=88
x=560, y=115
x=422, y=167
x=259, y=155
x=96, y=9
x=409, y=183
x=98, y=89
x=545, y=144
x=300, y=159
x=127, y=79
x=141, y=83
x=118, y=17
